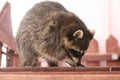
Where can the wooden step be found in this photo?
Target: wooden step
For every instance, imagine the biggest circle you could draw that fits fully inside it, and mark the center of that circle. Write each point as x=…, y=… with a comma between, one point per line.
x=84, y=73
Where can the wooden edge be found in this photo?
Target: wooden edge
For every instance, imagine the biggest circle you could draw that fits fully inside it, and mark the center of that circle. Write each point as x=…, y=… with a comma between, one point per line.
x=58, y=69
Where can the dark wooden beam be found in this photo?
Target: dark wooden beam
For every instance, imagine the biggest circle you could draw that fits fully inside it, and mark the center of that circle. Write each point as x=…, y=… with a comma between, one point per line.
x=102, y=57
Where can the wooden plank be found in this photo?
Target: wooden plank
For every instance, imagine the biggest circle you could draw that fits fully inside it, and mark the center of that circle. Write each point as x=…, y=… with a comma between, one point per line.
x=54, y=69
x=57, y=73
x=58, y=69
x=58, y=77
x=115, y=68
x=16, y=69
x=0, y=52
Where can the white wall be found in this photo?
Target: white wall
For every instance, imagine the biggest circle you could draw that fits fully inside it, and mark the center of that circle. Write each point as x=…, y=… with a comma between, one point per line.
x=115, y=18
x=2, y=3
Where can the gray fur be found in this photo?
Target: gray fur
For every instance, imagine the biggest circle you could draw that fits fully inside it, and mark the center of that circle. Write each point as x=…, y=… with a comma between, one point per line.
x=42, y=32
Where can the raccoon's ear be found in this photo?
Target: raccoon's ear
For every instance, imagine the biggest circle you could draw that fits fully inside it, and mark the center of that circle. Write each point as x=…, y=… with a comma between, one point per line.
x=78, y=34
x=92, y=33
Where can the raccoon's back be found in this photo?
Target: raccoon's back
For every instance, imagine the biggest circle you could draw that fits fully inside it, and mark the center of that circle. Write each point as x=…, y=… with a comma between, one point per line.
x=36, y=18
x=43, y=11
x=34, y=26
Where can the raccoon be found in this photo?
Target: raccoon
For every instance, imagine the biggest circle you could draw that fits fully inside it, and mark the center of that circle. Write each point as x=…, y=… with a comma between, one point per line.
x=50, y=33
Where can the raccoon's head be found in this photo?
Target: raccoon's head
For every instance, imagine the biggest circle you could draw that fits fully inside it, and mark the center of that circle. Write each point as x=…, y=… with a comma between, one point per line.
x=74, y=35
x=77, y=42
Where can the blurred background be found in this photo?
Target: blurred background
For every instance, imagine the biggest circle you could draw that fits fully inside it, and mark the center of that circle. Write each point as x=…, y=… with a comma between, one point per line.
x=103, y=16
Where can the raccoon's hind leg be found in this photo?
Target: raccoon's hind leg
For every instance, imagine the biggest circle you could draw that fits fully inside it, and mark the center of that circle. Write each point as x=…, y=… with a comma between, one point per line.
x=45, y=63
x=28, y=57
x=29, y=61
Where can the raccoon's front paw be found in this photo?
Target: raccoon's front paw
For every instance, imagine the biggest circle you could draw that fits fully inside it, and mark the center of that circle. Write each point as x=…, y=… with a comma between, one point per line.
x=79, y=65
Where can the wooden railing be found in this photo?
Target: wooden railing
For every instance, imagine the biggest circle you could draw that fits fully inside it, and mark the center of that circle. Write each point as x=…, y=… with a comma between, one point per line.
x=88, y=73
x=92, y=58
x=111, y=57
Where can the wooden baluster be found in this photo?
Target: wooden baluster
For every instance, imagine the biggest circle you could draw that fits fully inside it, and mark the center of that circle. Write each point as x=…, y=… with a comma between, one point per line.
x=12, y=59
x=92, y=50
x=1, y=44
x=9, y=58
x=112, y=48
